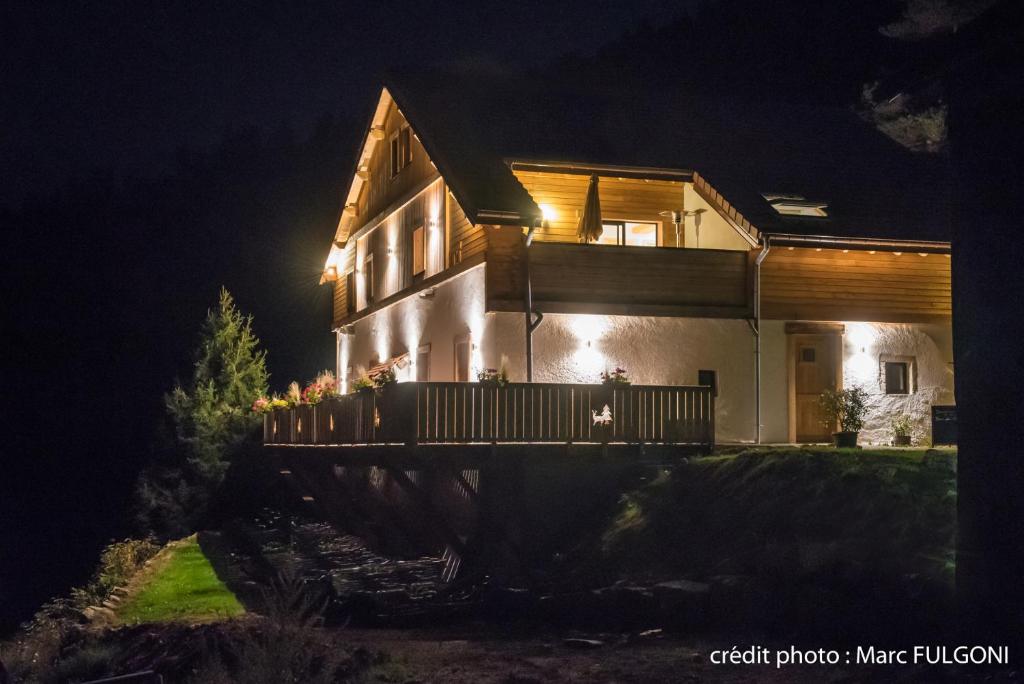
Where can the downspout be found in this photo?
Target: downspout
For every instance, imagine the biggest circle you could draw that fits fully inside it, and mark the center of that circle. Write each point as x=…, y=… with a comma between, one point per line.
x=531, y=323
x=755, y=326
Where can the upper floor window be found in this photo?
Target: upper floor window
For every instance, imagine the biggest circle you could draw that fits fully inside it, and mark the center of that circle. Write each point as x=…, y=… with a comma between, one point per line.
x=636, y=233
x=368, y=279
x=350, y=291
x=401, y=150
x=419, y=251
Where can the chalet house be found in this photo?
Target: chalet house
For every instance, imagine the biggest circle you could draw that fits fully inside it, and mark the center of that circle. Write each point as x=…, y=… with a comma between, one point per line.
x=762, y=252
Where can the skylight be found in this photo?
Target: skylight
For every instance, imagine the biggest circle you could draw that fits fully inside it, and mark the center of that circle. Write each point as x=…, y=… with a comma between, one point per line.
x=796, y=205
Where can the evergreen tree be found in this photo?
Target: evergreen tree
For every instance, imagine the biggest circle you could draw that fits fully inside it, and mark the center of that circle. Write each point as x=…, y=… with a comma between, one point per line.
x=212, y=423
x=213, y=416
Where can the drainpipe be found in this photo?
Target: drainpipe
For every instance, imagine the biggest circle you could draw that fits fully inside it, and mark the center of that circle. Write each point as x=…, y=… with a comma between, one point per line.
x=756, y=327
x=531, y=322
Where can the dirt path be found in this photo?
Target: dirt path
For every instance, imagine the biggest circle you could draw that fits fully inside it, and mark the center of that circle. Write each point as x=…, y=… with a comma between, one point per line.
x=482, y=654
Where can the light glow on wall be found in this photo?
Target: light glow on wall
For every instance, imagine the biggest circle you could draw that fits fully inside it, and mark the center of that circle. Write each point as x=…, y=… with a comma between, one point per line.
x=548, y=212
x=859, y=365
x=588, y=331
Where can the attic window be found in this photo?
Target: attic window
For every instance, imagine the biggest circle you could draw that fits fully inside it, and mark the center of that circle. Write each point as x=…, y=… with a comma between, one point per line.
x=796, y=205
x=401, y=150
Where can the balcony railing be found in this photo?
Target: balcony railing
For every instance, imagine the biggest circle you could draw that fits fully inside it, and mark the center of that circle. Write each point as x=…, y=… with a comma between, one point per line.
x=467, y=413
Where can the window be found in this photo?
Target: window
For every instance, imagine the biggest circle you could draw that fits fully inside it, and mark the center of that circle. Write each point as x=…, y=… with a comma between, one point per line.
x=462, y=352
x=796, y=205
x=634, y=233
x=708, y=378
x=807, y=355
x=401, y=150
x=368, y=279
x=897, y=377
x=419, y=253
x=423, y=363
x=350, y=291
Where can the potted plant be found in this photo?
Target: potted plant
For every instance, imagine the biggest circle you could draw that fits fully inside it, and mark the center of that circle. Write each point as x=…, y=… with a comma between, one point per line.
x=384, y=378
x=615, y=377
x=901, y=427
x=493, y=377
x=847, y=408
x=363, y=384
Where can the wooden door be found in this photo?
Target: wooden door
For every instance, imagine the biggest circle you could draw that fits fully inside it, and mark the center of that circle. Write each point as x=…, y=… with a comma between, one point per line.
x=814, y=363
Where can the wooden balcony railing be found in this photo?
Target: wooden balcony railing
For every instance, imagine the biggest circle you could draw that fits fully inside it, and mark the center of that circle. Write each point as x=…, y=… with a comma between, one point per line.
x=466, y=413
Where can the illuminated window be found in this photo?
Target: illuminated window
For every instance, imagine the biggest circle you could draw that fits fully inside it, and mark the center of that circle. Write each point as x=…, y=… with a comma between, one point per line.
x=423, y=363
x=897, y=377
x=462, y=352
x=796, y=205
x=633, y=233
x=419, y=254
x=401, y=150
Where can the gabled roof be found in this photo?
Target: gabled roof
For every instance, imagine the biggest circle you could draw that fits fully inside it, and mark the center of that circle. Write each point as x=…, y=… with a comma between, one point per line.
x=471, y=125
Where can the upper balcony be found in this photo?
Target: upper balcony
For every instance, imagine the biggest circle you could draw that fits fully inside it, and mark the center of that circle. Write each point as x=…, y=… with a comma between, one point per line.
x=607, y=279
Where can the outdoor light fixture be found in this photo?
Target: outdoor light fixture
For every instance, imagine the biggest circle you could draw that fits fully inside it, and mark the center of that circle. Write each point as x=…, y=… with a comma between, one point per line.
x=547, y=212
x=331, y=273
x=428, y=293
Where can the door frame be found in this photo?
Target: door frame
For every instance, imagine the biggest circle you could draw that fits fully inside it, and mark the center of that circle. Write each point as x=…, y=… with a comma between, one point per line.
x=795, y=332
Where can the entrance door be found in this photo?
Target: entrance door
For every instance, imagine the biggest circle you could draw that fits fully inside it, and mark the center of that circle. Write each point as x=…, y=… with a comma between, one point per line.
x=815, y=369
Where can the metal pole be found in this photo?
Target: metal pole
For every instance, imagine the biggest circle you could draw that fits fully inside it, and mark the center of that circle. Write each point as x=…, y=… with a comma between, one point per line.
x=757, y=333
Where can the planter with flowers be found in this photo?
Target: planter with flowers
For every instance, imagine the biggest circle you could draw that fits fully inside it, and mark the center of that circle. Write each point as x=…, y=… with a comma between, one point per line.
x=617, y=377
x=493, y=377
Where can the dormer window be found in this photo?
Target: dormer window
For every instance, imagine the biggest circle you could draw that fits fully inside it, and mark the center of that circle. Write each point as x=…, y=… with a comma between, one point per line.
x=796, y=205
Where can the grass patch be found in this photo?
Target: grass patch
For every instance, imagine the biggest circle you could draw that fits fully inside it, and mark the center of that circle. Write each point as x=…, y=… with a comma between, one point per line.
x=180, y=586
x=790, y=512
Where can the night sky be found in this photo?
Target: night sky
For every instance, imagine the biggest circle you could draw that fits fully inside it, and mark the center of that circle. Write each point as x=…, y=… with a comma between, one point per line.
x=152, y=152
x=123, y=86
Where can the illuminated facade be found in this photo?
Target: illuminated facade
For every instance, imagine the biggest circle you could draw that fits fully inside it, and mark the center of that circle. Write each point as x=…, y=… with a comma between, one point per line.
x=770, y=297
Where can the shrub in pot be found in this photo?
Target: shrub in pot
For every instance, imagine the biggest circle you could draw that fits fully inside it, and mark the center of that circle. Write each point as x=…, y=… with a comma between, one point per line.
x=847, y=408
x=901, y=427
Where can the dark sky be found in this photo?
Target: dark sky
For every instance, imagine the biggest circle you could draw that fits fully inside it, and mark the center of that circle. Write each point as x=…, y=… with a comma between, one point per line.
x=122, y=85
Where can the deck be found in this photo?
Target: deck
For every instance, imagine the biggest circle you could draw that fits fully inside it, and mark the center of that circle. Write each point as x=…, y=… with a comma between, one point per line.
x=457, y=413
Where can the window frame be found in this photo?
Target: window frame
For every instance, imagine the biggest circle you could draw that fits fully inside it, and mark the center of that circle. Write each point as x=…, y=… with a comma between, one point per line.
x=351, y=302
x=904, y=373
x=418, y=253
x=368, y=278
x=620, y=238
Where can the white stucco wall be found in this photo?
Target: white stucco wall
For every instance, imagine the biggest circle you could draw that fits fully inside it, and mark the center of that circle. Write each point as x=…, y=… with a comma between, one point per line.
x=929, y=348
x=456, y=308
x=655, y=350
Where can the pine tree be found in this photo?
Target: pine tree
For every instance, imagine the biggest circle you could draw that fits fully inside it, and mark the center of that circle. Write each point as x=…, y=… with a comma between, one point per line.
x=211, y=420
x=212, y=416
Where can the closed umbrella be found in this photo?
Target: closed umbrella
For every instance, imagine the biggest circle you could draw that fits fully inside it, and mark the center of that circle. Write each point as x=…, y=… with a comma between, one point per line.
x=590, y=227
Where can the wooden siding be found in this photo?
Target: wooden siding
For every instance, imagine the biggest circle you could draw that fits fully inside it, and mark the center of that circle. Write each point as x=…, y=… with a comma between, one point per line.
x=830, y=285
x=629, y=199
x=570, y=278
x=465, y=239
x=382, y=190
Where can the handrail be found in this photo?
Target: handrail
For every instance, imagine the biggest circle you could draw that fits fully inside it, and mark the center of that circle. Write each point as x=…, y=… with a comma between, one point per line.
x=465, y=413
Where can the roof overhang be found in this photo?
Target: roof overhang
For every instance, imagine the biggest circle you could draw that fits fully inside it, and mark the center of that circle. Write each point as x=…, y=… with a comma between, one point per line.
x=793, y=240
x=643, y=172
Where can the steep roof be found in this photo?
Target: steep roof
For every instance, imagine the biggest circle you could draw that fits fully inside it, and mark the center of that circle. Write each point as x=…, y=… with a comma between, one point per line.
x=472, y=125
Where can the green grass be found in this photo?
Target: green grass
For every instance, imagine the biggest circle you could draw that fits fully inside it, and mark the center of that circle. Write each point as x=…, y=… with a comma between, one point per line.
x=787, y=512
x=182, y=587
